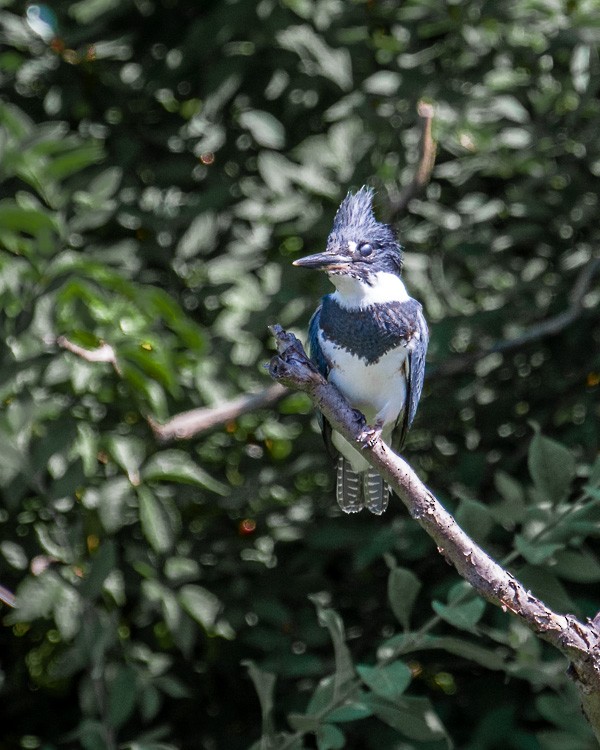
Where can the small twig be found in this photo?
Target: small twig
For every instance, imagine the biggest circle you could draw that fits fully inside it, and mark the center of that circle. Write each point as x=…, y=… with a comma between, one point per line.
x=189, y=423
x=548, y=327
x=422, y=175
x=104, y=353
x=579, y=642
x=7, y=597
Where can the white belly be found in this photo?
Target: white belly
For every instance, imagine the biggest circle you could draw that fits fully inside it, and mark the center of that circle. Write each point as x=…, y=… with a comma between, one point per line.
x=378, y=390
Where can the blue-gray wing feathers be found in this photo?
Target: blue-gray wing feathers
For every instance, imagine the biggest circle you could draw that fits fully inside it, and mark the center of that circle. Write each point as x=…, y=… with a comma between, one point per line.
x=414, y=377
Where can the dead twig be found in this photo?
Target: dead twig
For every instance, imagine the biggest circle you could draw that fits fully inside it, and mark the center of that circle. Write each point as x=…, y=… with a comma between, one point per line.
x=104, y=353
x=187, y=424
x=422, y=175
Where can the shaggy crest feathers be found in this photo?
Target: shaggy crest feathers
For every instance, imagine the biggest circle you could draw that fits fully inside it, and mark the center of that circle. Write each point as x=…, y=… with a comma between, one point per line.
x=356, y=222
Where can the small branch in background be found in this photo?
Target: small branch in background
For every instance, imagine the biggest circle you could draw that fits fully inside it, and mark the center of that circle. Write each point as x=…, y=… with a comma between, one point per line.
x=187, y=424
x=104, y=353
x=548, y=327
x=578, y=642
x=427, y=149
x=7, y=597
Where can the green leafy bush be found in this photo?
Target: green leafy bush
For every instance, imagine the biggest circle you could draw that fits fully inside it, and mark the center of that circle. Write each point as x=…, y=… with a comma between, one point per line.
x=162, y=165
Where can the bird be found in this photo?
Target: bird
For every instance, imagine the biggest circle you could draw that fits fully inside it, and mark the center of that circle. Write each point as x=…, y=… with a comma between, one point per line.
x=369, y=338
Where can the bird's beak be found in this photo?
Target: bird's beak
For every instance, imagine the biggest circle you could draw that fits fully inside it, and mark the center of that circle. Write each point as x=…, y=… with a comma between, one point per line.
x=323, y=261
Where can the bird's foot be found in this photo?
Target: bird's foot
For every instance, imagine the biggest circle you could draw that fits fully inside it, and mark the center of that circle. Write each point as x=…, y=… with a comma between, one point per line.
x=370, y=435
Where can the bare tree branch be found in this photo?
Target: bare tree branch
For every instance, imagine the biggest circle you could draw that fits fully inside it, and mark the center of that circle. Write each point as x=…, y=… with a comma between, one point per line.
x=548, y=327
x=425, y=166
x=104, y=353
x=187, y=424
x=7, y=597
x=579, y=642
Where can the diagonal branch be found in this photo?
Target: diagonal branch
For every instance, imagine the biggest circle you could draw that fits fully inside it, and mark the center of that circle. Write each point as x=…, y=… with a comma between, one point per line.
x=548, y=327
x=579, y=642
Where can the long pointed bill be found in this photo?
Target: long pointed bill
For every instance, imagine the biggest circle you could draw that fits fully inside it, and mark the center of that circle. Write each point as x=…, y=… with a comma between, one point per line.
x=322, y=260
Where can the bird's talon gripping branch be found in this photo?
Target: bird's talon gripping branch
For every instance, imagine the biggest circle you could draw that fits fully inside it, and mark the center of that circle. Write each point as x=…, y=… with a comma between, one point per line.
x=370, y=435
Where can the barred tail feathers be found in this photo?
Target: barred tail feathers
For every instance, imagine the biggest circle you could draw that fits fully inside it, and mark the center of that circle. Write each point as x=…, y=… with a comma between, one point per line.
x=349, y=487
x=376, y=492
x=356, y=490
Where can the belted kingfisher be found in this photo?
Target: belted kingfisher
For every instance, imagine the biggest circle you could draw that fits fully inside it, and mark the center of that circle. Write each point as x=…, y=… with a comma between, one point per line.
x=368, y=338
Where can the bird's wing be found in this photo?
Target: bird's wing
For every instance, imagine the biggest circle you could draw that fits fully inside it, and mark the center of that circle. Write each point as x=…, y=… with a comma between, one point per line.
x=415, y=375
x=314, y=346
x=319, y=358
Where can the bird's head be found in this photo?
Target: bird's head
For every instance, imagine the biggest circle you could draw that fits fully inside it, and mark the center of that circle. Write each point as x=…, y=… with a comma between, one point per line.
x=358, y=246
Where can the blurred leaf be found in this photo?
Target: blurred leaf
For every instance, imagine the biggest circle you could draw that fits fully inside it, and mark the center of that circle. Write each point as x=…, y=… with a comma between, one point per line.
x=403, y=589
x=382, y=83
x=546, y=586
x=122, y=696
x=102, y=564
x=156, y=523
x=580, y=67
x=35, y=597
x=177, y=466
x=75, y=160
x=461, y=614
x=512, y=510
x=264, y=683
x=334, y=64
x=201, y=604
x=322, y=697
x=474, y=519
x=552, y=467
x=330, y=737
x=535, y=552
x=129, y=452
x=105, y=185
x=266, y=130
x=329, y=618
x=31, y=221
x=68, y=609
x=578, y=566
x=115, y=497
x=408, y=643
x=413, y=717
x=14, y=554
x=352, y=709
x=92, y=735
x=388, y=681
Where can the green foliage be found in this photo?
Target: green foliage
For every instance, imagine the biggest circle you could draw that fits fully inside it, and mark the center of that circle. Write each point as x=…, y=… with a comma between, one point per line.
x=162, y=165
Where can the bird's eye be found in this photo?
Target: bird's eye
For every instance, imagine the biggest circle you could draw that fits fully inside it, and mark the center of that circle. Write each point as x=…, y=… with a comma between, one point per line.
x=365, y=249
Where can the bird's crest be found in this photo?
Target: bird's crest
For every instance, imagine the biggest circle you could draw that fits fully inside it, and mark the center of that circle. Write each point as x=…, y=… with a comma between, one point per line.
x=356, y=210
x=356, y=221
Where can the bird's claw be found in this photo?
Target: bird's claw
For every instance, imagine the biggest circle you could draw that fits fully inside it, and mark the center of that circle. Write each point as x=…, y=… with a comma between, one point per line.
x=369, y=436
